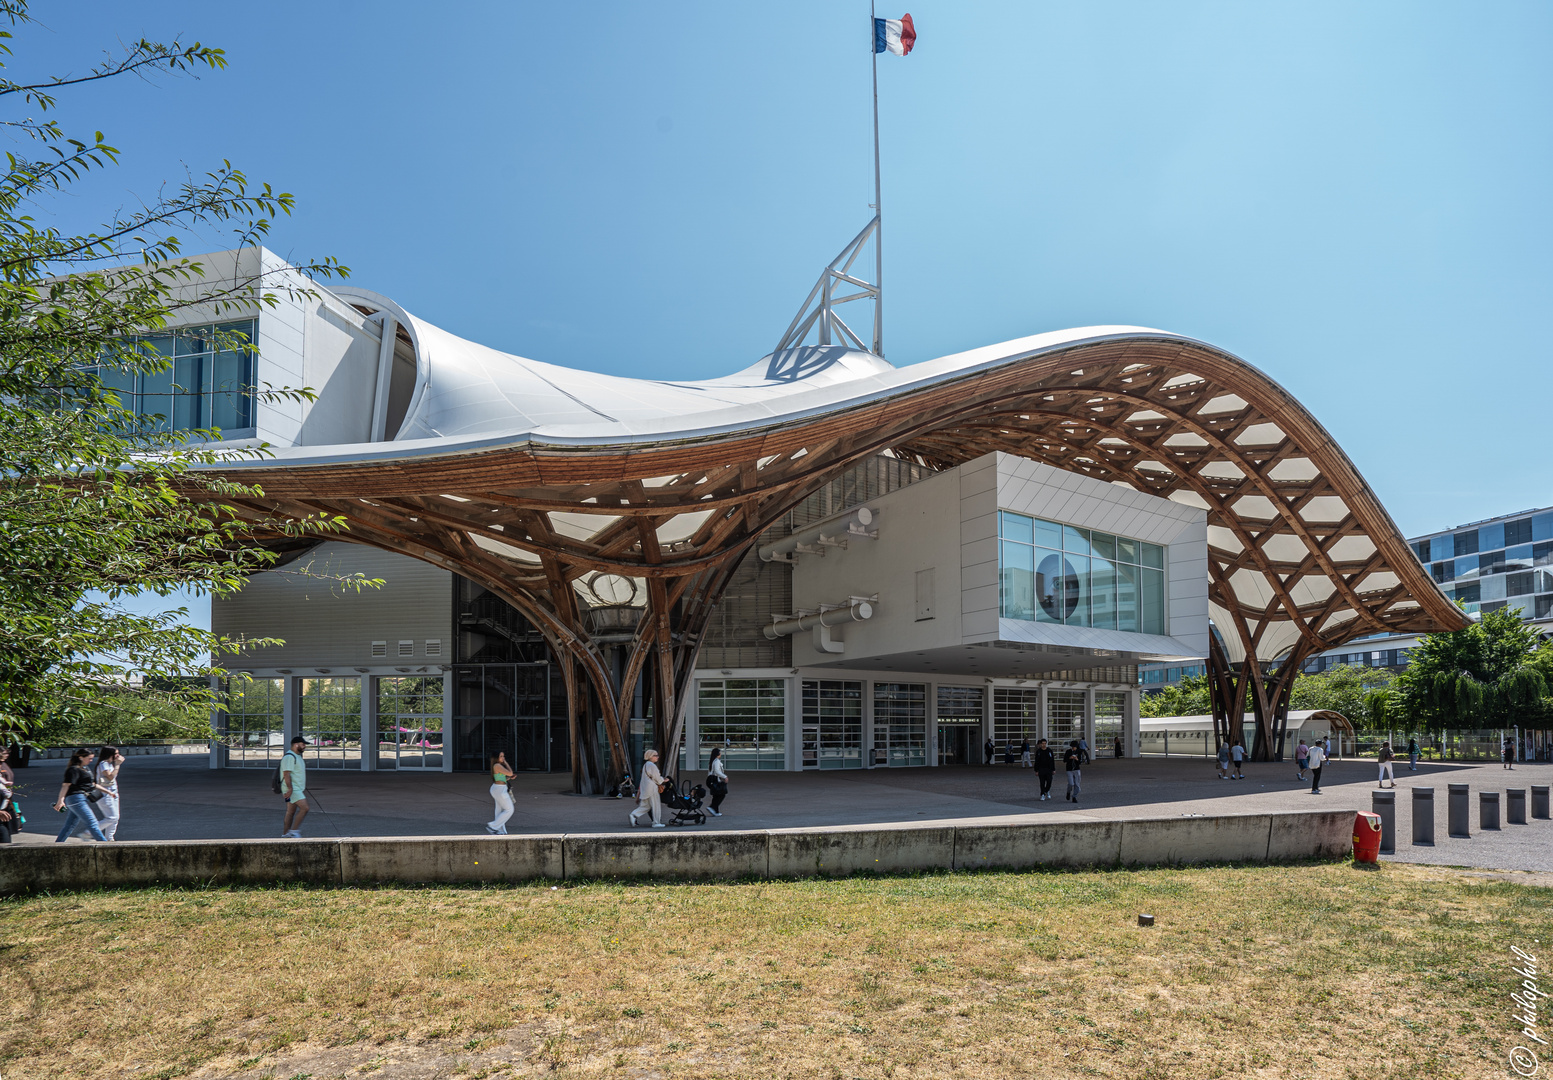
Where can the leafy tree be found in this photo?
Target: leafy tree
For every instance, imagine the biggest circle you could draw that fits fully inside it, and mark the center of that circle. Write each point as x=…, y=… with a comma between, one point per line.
x=1346, y=688
x=97, y=501
x=1189, y=697
x=1489, y=675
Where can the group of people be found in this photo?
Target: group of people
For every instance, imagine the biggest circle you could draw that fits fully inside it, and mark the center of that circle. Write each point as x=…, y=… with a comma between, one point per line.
x=1044, y=761
x=1026, y=755
x=1231, y=754
x=88, y=795
x=649, y=793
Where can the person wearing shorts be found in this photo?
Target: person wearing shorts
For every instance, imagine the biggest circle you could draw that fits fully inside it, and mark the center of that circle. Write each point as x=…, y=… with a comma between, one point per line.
x=1237, y=754
x=293, y=785
x=1224, y=760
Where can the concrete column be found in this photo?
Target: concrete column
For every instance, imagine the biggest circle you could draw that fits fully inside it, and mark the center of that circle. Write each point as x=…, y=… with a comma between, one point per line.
x=931, y=704
x=368, y=722
x=447, y=719
x=1040, y=714
x=291, y=719
x=1131, y=729
x=218, y=750
x=868, y=717
x=1088, y=727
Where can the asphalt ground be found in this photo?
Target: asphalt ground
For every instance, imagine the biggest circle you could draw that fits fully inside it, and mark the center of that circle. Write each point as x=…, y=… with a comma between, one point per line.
x=178, y=797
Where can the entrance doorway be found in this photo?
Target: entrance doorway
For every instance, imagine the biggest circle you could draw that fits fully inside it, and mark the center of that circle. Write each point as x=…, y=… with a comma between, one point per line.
x=957, y=744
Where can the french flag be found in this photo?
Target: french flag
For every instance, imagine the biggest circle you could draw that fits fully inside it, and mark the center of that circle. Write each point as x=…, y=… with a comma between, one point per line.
x=895, y=35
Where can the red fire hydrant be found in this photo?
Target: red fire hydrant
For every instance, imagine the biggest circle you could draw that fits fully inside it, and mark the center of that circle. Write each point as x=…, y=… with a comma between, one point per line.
x=1366, y=838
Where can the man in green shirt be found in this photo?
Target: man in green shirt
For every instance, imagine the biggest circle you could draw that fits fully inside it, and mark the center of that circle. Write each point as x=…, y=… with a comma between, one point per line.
x=293, y=785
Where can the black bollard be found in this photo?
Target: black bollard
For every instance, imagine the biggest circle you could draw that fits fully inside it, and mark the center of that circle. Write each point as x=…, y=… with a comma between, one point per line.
x=1423, y=815
x=1458, y=811
x=1384, y=803
x=1515, y=806
x=1539, y=800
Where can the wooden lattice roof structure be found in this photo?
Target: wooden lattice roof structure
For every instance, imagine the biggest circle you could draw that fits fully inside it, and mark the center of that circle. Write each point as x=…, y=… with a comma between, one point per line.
x=537, y=481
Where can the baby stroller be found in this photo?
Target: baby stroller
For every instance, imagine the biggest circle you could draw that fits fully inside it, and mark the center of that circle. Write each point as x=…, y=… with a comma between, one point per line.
x=685, y=801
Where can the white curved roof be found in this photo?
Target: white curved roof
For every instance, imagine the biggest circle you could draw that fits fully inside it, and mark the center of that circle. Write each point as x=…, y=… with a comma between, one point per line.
x=470, y=396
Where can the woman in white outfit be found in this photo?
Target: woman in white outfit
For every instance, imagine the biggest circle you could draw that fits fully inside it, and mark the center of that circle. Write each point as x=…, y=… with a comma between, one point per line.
x=501, y=772
x=648, y=801
x=109, y=762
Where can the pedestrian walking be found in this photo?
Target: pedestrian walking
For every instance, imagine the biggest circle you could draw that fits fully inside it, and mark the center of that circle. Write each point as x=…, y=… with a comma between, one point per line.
x=716, y=781
x=1318, y=758
x=1045, y=768
x=1074, y=764
x=1326, y=746
x=1237, y=754
x=74, y=798
x=501, y=794
x=1301, y=759
x=7, y=814
x=1223, y=759
x=1024, y=754
x=1083, y=750
x=1412, y=755
x=649, y=800
x=109, y=763
x=293, y=787
x=989, y=753
x=1008, y=751
x=6, y=775
x=1509, y=753
x=1119, y=746
x=1384, y=756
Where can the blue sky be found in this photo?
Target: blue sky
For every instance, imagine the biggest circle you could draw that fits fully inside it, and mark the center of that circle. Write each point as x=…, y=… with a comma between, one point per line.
x=1352, y=197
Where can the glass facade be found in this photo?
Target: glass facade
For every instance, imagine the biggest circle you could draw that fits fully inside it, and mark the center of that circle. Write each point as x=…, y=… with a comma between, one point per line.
x=1016, y=716
x=1065, y=717
x=209, y=383
x=747, y=718
x=409, y=722
x=254, y=722
x=832, y=721
x=330, y=715
x=1055, y=573
x=1505, y=563
x=1110, y=712
x=900, y=724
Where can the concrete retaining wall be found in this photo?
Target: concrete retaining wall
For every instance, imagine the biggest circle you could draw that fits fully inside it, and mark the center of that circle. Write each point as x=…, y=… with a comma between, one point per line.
x=776, y=853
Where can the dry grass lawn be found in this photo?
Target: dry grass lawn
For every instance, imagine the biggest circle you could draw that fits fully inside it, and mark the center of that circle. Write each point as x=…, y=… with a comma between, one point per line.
x=1302, y=971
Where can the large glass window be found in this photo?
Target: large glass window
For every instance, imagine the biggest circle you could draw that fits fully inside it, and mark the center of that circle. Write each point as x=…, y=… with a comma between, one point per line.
x=1491, y=537
x=255, y=717
x=1517, y=532
x=1016, y=716
x=1063, y=574
x=209, y=383
x=747, y=718
x=832, y=724
x=330, y=715
x=1110, y=710
x=409, y=722
x=1467, y=542
x=900, y=724
x=1064, y=718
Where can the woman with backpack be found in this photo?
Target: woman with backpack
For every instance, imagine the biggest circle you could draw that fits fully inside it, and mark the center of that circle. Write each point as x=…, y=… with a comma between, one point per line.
x=74, y=794
x=716, y=781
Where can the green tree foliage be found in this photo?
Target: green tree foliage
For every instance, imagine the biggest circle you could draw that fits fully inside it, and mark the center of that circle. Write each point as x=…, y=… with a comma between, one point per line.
x=1492, y=674
x=1187, y=698
x=1347, y=689
x=98, y=502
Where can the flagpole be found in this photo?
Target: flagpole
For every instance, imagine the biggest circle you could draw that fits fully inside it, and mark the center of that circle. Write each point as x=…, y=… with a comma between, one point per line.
x=878, y=201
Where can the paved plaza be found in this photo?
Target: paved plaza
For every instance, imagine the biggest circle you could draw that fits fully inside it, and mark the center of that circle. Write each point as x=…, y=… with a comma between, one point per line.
x=177, y=797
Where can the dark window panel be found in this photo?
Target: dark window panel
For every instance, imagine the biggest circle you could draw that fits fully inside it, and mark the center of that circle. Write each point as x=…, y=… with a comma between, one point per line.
x=1467, y=542
x=1491, y=537
x=1517, y=532
x=1519, y=584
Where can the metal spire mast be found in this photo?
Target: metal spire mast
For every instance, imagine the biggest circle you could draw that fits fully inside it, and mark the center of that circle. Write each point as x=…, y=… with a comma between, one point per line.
x=878, y=200
x=818, y=311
